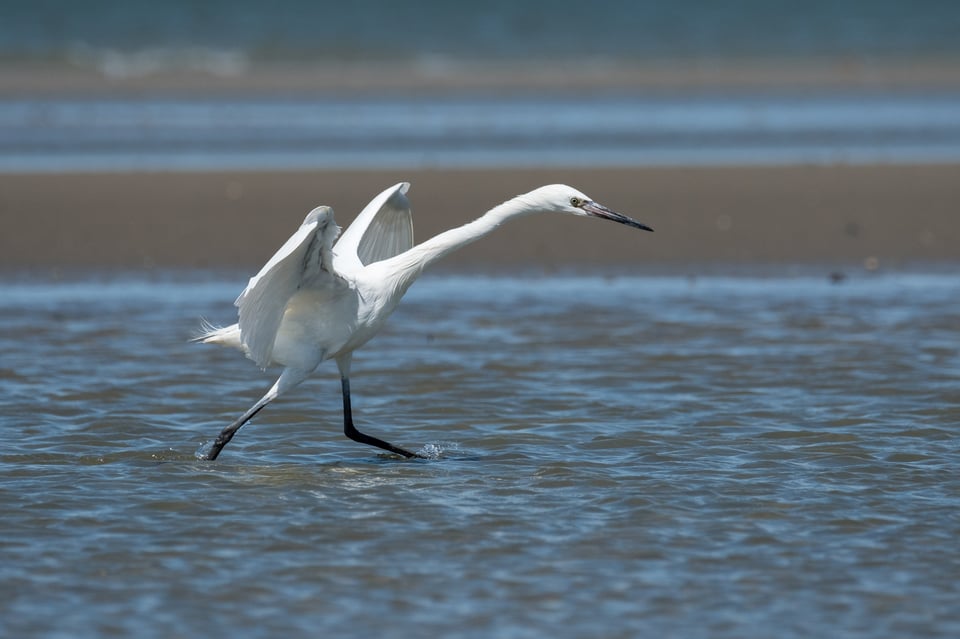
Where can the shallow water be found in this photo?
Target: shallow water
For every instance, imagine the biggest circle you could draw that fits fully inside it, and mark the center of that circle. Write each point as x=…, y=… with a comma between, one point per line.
x=616, y=128
x=616, y=457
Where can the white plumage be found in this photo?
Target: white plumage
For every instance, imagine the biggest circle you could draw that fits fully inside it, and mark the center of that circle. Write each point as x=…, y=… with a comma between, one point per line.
x=320, y=298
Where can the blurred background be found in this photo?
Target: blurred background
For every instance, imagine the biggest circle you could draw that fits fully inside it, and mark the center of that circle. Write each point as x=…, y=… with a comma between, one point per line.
x=694, y=116
x=654, y=107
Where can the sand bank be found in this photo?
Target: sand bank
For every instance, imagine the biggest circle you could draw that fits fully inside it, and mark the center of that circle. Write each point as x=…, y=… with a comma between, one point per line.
x=842, y=215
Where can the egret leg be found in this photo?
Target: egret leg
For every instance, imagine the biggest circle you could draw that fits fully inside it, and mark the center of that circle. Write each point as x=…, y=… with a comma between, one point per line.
x=351, y=431
x=227, y=433
x=287, y=380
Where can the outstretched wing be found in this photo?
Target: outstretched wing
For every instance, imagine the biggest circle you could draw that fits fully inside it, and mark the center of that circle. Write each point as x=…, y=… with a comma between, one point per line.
x=263, y=302
x=382, y=230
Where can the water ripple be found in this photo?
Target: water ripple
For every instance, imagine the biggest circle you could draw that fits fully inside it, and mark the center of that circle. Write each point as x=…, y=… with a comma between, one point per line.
x=752, y=458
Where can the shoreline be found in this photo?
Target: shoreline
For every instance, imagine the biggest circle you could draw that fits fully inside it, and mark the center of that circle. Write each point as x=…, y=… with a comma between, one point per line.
x=743, y=217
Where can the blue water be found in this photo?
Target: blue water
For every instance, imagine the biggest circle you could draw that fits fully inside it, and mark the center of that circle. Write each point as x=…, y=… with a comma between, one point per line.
x=322, y=131
x=614, y=456
x=497, y=29
x=623, y=127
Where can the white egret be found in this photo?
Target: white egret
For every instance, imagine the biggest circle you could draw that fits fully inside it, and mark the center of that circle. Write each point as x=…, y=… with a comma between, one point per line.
x=315, y=300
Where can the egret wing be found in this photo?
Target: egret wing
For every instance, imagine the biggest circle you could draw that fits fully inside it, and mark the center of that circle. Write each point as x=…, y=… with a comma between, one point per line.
x=262, y=303
x=382, y=230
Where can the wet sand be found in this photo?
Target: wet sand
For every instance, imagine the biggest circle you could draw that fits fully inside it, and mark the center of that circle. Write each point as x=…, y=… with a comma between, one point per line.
x=891, y=216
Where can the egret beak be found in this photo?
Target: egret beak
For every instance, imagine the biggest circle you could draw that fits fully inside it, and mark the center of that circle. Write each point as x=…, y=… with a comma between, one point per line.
x=598, y=210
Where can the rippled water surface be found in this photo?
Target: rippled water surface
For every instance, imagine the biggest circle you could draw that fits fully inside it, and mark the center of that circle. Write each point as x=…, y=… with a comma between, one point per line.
x=612, y=457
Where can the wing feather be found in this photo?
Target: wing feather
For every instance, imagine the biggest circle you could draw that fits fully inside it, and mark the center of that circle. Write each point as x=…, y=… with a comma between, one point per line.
x=263, y=301
x=383, y=230
x=303, y=260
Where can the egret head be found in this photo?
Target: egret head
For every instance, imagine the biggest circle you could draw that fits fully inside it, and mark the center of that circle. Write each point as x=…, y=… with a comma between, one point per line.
x=566, y=199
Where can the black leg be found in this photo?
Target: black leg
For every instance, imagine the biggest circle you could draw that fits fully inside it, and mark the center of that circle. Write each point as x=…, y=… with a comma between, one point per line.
x=289, y=378
x=351, y=431
x=227, y=433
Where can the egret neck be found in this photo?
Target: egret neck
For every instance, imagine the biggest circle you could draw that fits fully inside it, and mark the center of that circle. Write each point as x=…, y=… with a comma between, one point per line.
x=407, y=266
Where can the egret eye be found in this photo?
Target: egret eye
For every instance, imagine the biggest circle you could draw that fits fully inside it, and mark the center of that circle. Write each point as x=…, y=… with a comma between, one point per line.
x=575, y=201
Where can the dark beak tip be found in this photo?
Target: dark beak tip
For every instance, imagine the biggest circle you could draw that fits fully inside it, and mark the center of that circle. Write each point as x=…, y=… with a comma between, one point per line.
x=598, y=210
